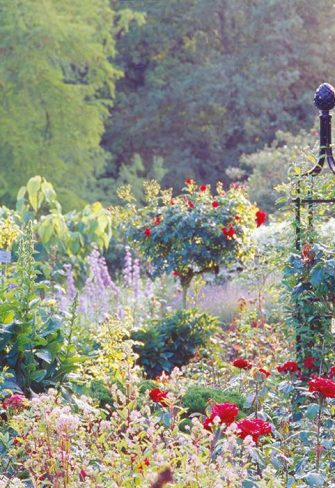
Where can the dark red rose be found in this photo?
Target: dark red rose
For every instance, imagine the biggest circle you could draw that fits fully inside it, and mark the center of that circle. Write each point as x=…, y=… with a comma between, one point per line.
x=15, y=401
x=323, y=386
x=254, y=427
x=147, y=232
x=288, y=367
x=82, y=475
x=309, y=362
x=237, y=218
x=242, y=364
x=264, y=372
x=215, y=204
x=175, y=273
x=331, y=371
x=307, y=253
x=147, y=461
x=229, y=232
x=157, y=220
x=189, y=181
x=260, y=217
x=226, y=411
x=158, y=396
x=208, y=423
x=203, y=187
x=190, y=204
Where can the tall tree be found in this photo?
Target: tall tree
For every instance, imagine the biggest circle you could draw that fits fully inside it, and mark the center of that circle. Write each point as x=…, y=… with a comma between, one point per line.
x=56, y=86
x=206, y=81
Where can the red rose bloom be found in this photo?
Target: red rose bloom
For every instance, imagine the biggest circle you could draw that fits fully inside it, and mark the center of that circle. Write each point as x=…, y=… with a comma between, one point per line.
x=189, y=181
x=82, y=475
x=307, y=254
x=158, y=396
x=157, y=220
x=147, y=232
x=331, y=371
x=190, y=204
x=175, y=273
x=309, y=362
x=203, y=187
x=208, y=423
x=15, y=401
x=226, y=411
x=288, y=367
x=230, y=232
x=264, y=372
x=242, y=364
x=254, y=427
x=260, y=217
x=215, y=204
x=323, y=386
x=237, y=218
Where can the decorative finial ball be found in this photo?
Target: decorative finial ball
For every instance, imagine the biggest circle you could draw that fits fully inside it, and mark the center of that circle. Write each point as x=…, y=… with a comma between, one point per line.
x=324, y=97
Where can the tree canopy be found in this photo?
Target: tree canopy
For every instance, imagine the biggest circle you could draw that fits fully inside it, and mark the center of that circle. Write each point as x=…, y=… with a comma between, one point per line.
x=207, y=81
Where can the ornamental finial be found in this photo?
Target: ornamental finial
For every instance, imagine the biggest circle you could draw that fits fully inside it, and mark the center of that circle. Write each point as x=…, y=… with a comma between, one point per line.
x=324, y=97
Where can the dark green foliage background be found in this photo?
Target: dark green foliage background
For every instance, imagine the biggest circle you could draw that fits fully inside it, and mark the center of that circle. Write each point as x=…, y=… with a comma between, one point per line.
x=90, y=97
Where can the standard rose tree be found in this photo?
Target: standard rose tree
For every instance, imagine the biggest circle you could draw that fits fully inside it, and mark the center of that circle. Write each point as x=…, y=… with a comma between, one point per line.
x=195, y=232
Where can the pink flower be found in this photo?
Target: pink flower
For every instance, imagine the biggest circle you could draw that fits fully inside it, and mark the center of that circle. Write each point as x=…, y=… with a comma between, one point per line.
x=15, y=401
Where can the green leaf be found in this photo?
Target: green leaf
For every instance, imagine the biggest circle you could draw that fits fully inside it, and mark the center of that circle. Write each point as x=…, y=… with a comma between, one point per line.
x=45, y=355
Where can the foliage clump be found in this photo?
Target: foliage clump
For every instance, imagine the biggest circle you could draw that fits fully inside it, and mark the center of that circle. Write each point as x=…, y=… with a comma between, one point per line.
x=173, y=340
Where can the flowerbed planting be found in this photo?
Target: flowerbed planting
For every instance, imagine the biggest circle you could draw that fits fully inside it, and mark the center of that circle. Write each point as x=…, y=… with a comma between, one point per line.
x=104, y=383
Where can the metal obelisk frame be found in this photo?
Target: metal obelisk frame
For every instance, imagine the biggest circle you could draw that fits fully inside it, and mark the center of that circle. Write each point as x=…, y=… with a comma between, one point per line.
x=324, y=100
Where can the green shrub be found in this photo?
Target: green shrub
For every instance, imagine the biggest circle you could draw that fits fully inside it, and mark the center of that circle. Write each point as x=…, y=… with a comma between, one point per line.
x=173, y=340
x=196, y=398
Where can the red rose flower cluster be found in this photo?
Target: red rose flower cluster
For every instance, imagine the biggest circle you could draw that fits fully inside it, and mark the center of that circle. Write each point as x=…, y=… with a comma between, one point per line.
x=227, y=412
x=309, y=362
x=323, y=386
x=264, y=372
x=331, y=371
x=15, y=401
x=159, y=396
x=288, y=367
x=260, y=217
x=229, y=232
x=242, y=364
x=254, y=427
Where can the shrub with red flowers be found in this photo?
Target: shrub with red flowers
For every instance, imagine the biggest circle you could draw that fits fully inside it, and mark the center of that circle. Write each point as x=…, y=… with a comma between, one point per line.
x=323, y=386
x=195, y=232
x=288, y=367
x=242, y=363
x=254, y=427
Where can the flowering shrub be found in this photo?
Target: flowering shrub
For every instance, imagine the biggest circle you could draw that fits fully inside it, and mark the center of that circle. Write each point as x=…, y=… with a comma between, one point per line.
x=195, y=232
